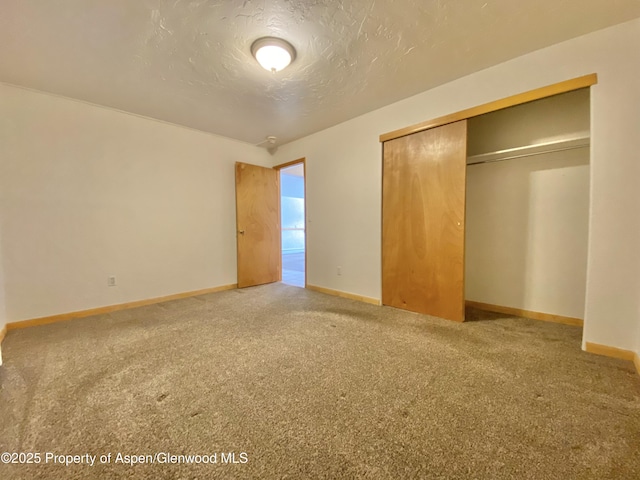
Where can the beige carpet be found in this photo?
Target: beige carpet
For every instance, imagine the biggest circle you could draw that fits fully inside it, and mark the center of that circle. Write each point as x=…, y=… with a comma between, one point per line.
x=312, y=386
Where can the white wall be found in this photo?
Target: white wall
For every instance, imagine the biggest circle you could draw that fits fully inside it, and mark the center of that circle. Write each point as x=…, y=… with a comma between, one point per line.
x=344, y=173
x=3, y=319
x=638, y=339
x=3, y=310
x=638, y=336
x=87, y=192
x=637, y=349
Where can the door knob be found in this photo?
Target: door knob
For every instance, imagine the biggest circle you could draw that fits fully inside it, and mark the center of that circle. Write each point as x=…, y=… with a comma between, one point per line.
x=241, y=232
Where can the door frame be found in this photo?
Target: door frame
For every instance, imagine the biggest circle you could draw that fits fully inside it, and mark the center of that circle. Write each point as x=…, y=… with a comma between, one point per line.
x=279, y=167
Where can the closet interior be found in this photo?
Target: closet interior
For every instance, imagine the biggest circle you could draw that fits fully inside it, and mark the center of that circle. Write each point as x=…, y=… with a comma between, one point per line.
x=527, y=207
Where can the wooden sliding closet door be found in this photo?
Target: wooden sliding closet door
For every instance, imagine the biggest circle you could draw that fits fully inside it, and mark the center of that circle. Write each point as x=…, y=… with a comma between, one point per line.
x=423, y=207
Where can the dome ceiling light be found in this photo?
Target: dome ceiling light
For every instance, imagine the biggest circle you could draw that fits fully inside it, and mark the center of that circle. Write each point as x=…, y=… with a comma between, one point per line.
x=274, y=54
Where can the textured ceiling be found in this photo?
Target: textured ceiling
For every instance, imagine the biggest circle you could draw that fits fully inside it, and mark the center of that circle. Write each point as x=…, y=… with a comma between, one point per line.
x=188, y=62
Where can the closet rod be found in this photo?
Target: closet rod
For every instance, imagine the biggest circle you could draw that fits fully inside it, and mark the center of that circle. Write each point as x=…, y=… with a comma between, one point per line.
x=530, y=154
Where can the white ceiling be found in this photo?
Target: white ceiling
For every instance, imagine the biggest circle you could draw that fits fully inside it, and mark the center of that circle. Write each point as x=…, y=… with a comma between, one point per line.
x=188, y=61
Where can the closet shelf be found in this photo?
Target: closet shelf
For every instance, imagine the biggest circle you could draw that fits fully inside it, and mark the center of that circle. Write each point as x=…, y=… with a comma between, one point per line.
x=529, y=150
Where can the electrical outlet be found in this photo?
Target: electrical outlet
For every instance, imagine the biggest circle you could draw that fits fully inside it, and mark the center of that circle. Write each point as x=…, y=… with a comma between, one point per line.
x=339, y=270
x=111, y=281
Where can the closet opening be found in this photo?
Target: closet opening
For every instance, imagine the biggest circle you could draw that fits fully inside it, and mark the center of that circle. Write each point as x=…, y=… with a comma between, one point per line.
x=527, y=209
x=488, y=207
x=292, y=215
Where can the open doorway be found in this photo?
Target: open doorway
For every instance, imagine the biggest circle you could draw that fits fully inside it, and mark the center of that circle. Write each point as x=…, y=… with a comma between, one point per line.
x=292, y=215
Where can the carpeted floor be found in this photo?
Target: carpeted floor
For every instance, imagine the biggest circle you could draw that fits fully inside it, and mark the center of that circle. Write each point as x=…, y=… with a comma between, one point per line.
x=313, y=386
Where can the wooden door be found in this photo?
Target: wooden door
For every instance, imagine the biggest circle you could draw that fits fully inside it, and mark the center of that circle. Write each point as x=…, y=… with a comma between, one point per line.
x=423, y=208
x=258, y=225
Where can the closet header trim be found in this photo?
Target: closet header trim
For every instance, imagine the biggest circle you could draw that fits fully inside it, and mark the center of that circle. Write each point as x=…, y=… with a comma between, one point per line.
x=520, y=98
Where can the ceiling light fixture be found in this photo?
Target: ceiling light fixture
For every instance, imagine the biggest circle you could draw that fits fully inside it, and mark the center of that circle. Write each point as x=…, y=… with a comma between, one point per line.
x=273, y=53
